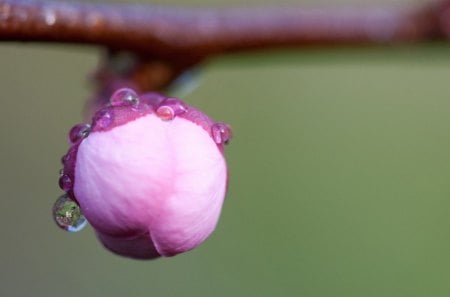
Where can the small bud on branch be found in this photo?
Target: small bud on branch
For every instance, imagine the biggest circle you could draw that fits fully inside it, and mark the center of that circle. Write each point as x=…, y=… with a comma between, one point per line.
x=148, y=174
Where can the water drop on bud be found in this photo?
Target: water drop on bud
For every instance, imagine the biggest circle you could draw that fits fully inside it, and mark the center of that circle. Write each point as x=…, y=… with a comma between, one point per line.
x=67, y=214
x=79, y=132
x=221, y=133
x=171, y=107
x=65, y=183
x=103, y=118
x=165, y=113
x=124, y=96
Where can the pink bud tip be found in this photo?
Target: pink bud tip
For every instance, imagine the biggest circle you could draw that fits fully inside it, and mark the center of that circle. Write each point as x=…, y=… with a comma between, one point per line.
x=149, y=177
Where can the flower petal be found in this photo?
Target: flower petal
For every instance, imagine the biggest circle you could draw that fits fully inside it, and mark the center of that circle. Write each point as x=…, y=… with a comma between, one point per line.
x=148, y=176
x=190, y=212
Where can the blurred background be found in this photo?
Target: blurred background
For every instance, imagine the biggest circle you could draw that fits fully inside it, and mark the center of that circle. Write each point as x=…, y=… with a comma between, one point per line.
x=339, y=176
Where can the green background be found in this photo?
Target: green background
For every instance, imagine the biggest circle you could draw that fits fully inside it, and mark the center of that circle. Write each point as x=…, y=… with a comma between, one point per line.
x=339, y=177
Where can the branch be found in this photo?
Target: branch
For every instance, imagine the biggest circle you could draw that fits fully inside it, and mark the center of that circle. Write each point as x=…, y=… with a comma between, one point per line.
x=180, y=33
x=166, y=41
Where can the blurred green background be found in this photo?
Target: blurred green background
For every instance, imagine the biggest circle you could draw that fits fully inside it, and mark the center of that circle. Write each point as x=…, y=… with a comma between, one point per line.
x=339, y=177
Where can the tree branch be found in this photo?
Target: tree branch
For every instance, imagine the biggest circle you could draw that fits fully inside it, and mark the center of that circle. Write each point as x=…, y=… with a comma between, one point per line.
x=169, y=40
x=169, y=32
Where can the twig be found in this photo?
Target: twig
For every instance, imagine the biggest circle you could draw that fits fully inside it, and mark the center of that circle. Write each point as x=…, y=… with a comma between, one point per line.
x=169, y=32
x=177, y=38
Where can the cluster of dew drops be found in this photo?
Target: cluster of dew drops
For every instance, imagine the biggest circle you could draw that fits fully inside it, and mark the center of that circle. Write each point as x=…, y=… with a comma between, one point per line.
x=66, y=210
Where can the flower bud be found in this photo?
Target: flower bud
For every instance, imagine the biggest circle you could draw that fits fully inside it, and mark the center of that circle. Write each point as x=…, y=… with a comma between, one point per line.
x=149, y=174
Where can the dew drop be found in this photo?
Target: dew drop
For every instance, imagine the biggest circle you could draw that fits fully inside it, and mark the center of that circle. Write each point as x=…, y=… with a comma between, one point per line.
x=177, y=105
x=103, y=118
x=65, y=158
x=170, y=108
x=165, y=113
x=65, y=183
x=124, y=96
x=79, y=132
x=67, y=214
x=221, y=133
x=49, y=17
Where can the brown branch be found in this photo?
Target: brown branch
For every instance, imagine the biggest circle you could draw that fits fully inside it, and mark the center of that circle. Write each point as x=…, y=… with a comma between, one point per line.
x=168, y=40
x=169, y=32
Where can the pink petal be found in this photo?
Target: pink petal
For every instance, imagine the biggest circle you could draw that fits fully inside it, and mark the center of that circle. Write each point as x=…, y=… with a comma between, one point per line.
x=151, y=185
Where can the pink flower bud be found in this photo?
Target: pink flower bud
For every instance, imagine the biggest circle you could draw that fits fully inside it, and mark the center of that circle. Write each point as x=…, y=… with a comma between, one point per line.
x=148, y=174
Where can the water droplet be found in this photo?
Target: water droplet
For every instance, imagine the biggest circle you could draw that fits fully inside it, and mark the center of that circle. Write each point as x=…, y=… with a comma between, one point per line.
x=103, y=118
x=153, y=98
x=49, y=17
x=67, y=214
x=165, y=113
x=177, y=105
x=65, y=183
x=79, y=132
x=68, y=159
x=65, y=158
x=221, y=133
x=61, y=172
x=124, y=96
x=170, y=108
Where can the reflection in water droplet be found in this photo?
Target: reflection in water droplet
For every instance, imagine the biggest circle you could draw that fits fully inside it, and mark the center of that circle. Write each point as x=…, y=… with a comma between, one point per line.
x=221, y=133
x=79, y=132
x=124, y=96
x=103, y=118
x=67, y=214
